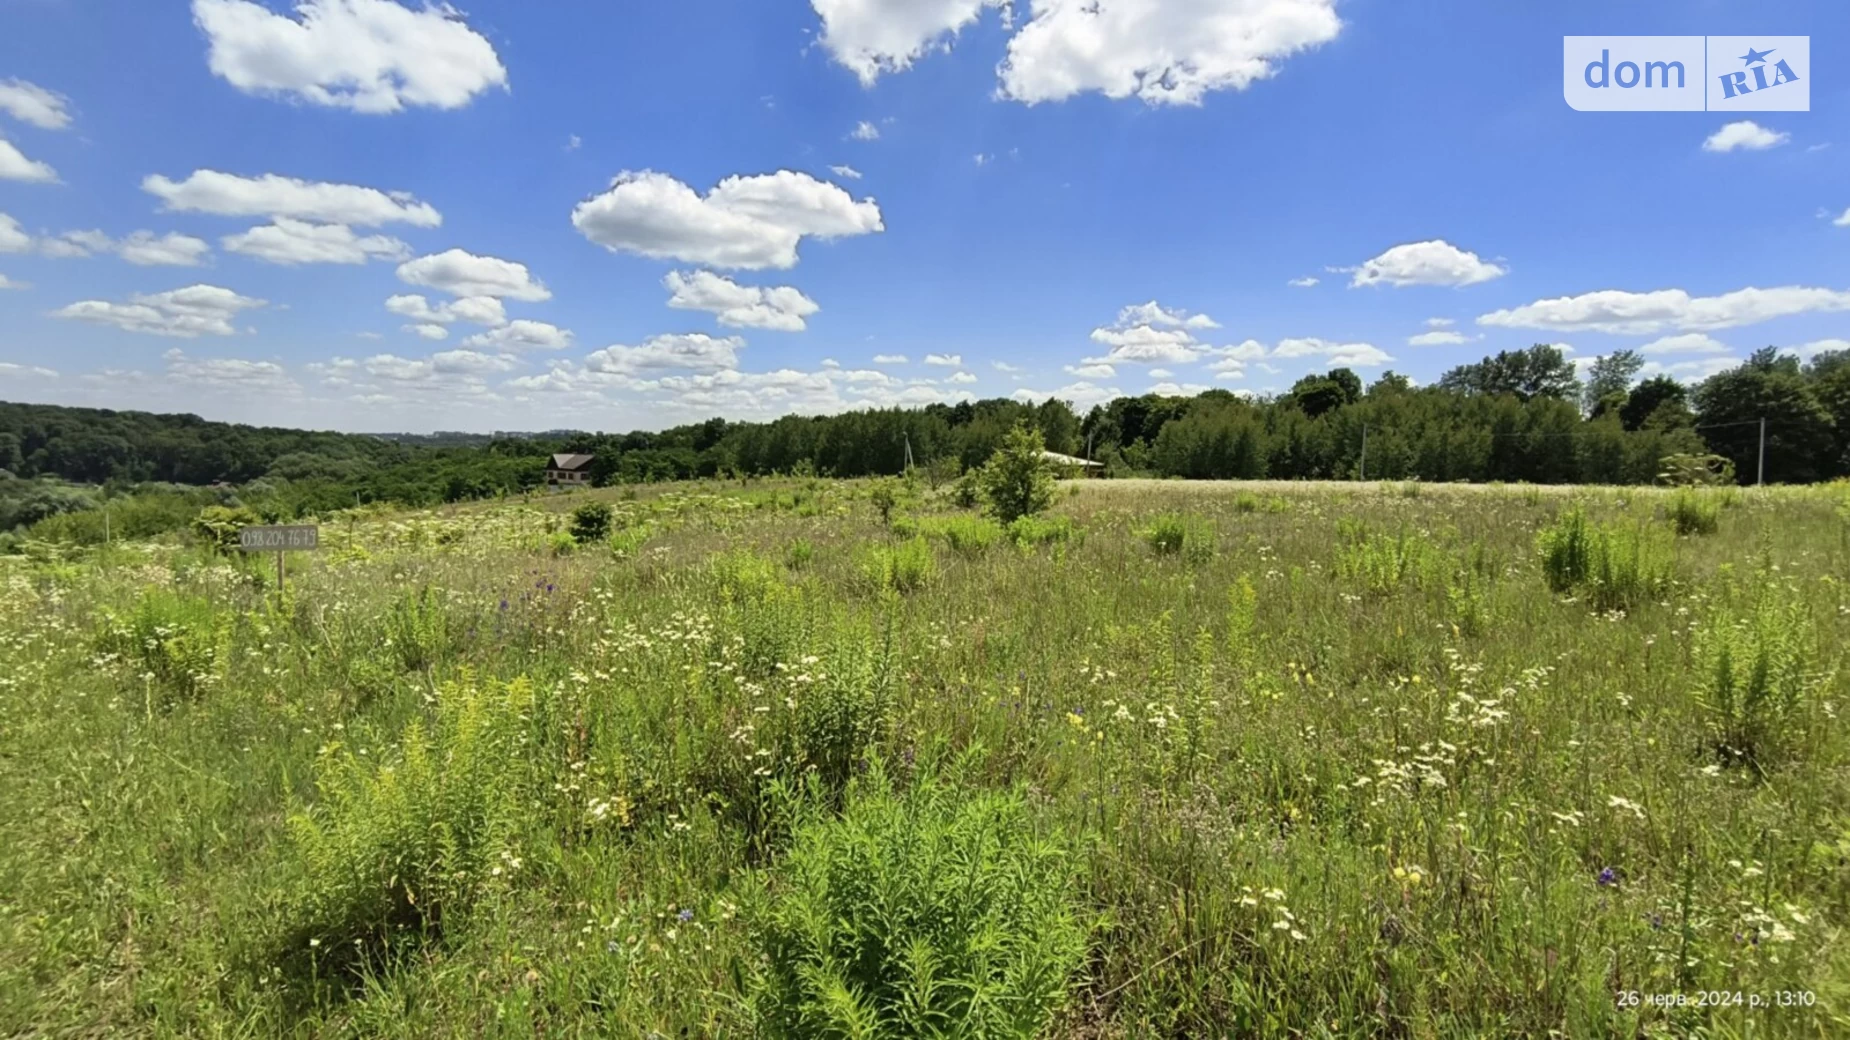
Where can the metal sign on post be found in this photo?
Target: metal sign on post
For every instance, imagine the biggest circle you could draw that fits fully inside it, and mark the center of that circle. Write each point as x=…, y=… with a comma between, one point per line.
x=280, y=539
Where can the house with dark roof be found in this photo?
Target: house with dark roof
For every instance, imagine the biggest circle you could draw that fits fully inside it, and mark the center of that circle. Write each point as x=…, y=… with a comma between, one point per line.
x=567, y=470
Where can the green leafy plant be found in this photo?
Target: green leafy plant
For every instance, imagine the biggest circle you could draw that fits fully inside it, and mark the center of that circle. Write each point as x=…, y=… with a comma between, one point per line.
x=905, y=567
x=929, y=913
x=1382, y=563
x=1615, y=567
x=1030, y=531
x=883, y=492
x=1182, y=534
x=966, y=535
x=1756, y=672
x=396, y=851
x=218, y=526
x=175, y=640
x=1016, y=481
x=417, y=629
x=1692, y=513
x=591, y=523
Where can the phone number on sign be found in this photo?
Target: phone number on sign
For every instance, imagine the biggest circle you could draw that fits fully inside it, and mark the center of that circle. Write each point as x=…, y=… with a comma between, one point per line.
x=1631, y=998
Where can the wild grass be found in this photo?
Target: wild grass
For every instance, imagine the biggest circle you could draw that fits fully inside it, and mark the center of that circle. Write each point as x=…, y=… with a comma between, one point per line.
x=1468, y=763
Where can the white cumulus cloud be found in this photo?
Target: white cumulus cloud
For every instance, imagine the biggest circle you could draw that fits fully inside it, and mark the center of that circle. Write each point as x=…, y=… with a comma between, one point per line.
x=846, y=171
x=741, y=306
x=289, y=241
x=197, y=310
x=271, y=195
x=371, y=56
x=744, y=222
x=1159, y=51
x=946, y=360
x=889, y=359
x=1440, y=338
x=873, y=37
x=521, y=334
x=1351, y=355
x=14, y=166
x=694, y=351
x=1649, y=313
x=464, y=274
x=480, y=310
x=1687, y=343
x=428, y=330
x=1745, y=135
x=1436, y=262
x=7, y=283
x=13, y=238
x=31, y=103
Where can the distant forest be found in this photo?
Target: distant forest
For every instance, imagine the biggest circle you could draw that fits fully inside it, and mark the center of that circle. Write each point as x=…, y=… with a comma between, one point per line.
x=1525, y=415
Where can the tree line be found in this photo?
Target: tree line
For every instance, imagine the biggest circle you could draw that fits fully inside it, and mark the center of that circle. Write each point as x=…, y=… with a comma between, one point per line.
x=1524, y=415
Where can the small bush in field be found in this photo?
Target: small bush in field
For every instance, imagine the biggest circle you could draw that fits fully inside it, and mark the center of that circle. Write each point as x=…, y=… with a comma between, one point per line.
x=905, y=567
x=1691, y=512
x=1756, y=674
x=1566, y=548
x=1180, y=534
x=1016, y=481
x=218, y=526
x=591, y=523
x=561, y=543
x=397, y=851
x=966, y=535
x=1382, y=563
x=1616, y=567
x=798, y=554
x=934, y=912
x=179, y=642
x=1030, y=531
x=417, y=629
x=884, y=494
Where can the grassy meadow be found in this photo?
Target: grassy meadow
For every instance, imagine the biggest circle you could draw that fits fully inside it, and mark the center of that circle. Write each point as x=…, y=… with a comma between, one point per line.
x=840, y=759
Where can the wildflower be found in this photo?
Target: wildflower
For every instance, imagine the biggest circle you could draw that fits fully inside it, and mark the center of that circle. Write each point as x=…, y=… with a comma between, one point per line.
x=686, y=914
x=1608, y=877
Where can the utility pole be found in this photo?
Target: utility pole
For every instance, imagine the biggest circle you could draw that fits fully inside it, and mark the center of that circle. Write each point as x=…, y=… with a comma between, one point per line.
x=1760, y=477
x=908, y=450
x=1364, y=473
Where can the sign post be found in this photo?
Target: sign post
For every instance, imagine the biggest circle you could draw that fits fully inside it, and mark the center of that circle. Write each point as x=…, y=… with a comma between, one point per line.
x=280, y=540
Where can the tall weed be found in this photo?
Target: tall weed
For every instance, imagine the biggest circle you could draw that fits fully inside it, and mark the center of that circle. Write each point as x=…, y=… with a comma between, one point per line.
x=934, y=912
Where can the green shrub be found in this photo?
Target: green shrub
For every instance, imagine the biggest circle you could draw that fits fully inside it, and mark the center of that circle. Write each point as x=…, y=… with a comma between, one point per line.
x=966, y=535
x=883, y=492
x=1179, y=533
x=842, y=715
x=1756, y=673
x=1016, y=481
x=798, y=554
x=179, y=642
x=1566, y=548
x=218, y=526
x=930, y=913
x=561, y=543
x=904, y=567
x=591, y=523
x=1030, y=531
x=417, y=629
x=1382, y=564
x=398, y=851
x=1691, y=512
x=1615, y=567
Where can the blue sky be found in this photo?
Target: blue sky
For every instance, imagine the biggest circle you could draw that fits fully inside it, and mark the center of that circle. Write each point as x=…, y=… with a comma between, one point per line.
x=208, y=205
